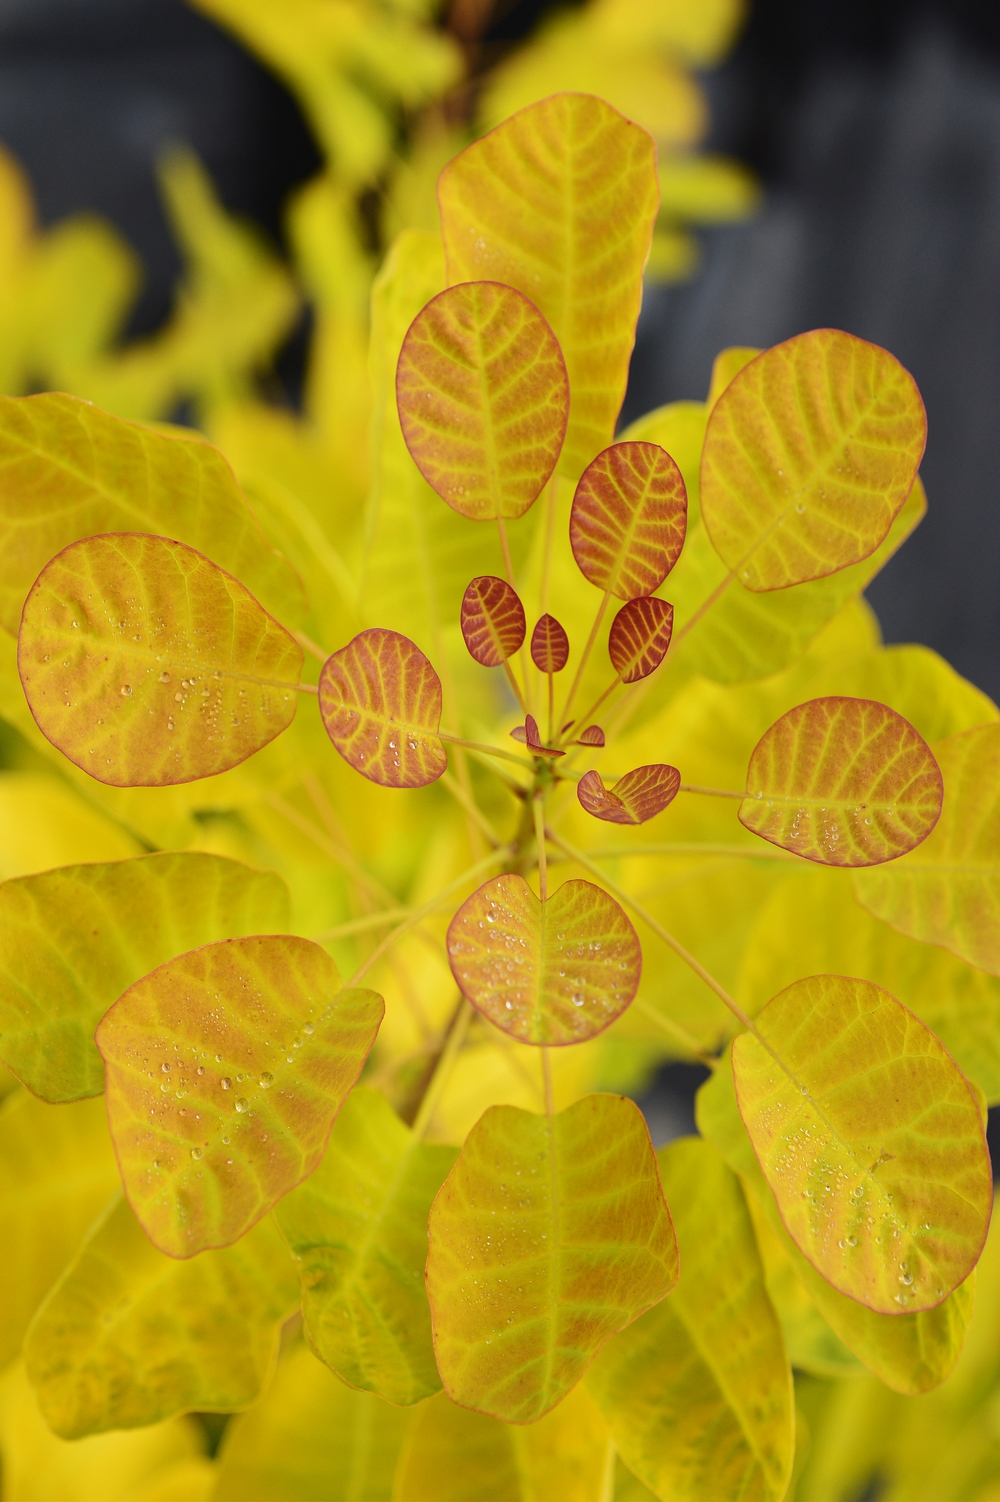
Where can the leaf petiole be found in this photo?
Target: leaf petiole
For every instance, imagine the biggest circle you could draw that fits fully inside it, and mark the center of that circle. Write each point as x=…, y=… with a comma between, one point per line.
x=457, y=740
x=693, y=787
x=454, y=1038
x=584, y=659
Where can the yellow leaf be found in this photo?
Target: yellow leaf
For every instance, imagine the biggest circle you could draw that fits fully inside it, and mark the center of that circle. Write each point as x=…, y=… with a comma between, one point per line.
x=43, y=823
x=727, y=364
x=810, y=452
x=548, y=1236
x=358, y=1228
x=707, y=190
x=128, y=1336
x=193, y=1052
x=72, y=940
x=559, y=202
x=698, y=1391
x=185, y=1481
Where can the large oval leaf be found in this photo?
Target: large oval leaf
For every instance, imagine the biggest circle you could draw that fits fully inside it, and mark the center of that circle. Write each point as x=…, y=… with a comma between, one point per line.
x=380, y=699
x=559, y=201
x=639, y=637
x=146, y=664
x=483, y=399
x=226, y=1068
x=628, y=519
x=493, y=623
x=810, y=452
x=548, y=1236
x=640, y=795
x=870, y=1139
x=547, y=973
x=72, y=940
x=846, y=782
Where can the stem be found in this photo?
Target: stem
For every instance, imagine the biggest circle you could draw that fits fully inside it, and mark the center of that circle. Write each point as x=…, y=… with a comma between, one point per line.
x=550, y=1109
x=552, y=706
x=515, y=686
x=362, y=925
x=692, y=787
x=457, y=740
x=698, y=847
x=454, y=1037
x=310, y=646
x=550, y=534
x=584, y=719
x=508, y=566
x=465, y=801
x=703, y=608
x=543, y=872
x=586, y=655
x=689, y=1041
x=306, y=688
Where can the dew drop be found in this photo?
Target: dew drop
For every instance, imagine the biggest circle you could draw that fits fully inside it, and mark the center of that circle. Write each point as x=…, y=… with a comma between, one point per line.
x=196, y=1153
x=226, y=1082
x=126, y=689
x=266, y=1080
x=242, y=1105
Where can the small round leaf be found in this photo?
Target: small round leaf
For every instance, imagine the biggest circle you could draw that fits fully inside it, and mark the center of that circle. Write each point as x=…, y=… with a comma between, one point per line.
x=592, y=736
x=493, y=623
x=639, y=638
x=549, y=645
x=380, y=699
x=629, y=518
x=640, y=795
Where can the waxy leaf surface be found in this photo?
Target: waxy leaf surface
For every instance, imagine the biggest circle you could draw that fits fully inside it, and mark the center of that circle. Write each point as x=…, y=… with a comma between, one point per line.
x=358, y=1228
x=380, y=699
x=948, y=890
x=871, y=1140
x=698, y=1391
x=226, y=1068
x=72, y=940
x=559, y=202
x=845, y=782
x=810, y=452
x=640, y=795
x=547, y=973
x=639, y=637
x=146, y=664
x=128, y=1336
x=549, y=645
x=549, y=1235
x=493, y=623
x=483, y=399
x=628, y=520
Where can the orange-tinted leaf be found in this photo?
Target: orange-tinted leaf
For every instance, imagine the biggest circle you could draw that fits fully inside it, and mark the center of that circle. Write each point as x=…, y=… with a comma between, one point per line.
x=640, y=795
x=146, y=664
x=527, y=734
x=549, y=645
x=639, y=638
x=225, y=1070
x=549, y=973
x=380, y=699
x=846, y=782
x=628, y=520
x=493, y=623
x=592, y=736
x=810, y=452
x=483, y=398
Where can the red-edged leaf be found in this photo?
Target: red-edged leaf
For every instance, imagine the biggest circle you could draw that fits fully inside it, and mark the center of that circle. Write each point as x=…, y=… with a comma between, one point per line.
x=380, y=699
x=547, y=973
x=640, y=636
x=493, y=621
x=592, y=736
x=483, y=398
x=636, y=797
x=549, y=645
x=629, y=518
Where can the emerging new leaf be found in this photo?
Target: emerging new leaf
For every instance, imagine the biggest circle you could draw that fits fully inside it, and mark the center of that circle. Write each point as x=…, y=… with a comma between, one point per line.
x=592, y=736
x=493, y=623
x=845, y=782
x=871, y=1140
x=628, y=520
x=527, y=735
x=810, y=452
x=549, y=645
x=549, y=973
x=483, y=399
x=548, y=1236
x=640, y=795
x=226, y=1068
x=380, y=699
x=146, y=664
x=639, y=638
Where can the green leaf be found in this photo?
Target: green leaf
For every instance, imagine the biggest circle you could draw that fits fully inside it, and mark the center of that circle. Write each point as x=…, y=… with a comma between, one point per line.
x=559, y=201
x=639, y=637
x=640, y=795
x=72, y=940
x=225, y=1070
x=810, y=452
x=548, y=1236
x=628, y=519
x=128, y=1336
x=358, y=1229
x=948, y=891
x=846, y=782
x=546, y=973
x=870, y=1138
x=146, y=664
x=493, y=623
x=698, y=1392
x=483, y=399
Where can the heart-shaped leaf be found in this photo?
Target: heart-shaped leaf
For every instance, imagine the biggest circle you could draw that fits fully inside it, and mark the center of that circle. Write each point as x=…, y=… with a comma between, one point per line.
x=73, y=939
x=639, y=638
x=226, y=1068
x=592, y=736
x=871, y=1140
x=547, y=973
x=845, y=782
x=810, y=452
x=548, y=1236
x=493, y=623
x=483, y=398
x=549, y=645
x=640, y=795
x=380, y=699
x=629, y=518
x=146, y=664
